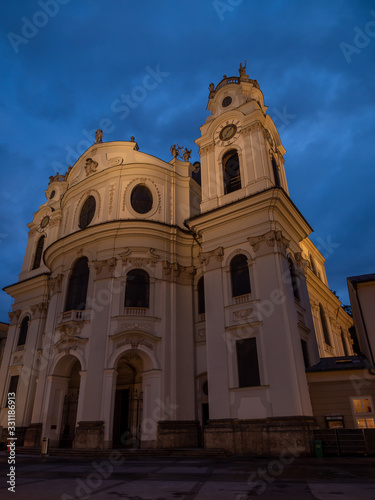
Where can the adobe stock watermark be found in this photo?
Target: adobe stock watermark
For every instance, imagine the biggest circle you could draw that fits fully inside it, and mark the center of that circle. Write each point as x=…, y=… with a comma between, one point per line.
x=282, y=116
x=263, y=477
x=121, y=107
x=362, y=38
x=327, y=247
x=3, y=236
x=221, y=7
x=30, y=27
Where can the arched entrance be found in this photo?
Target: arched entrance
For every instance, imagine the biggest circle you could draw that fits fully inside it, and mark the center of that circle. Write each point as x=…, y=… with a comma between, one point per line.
x=70, y=406
x=63, y=397
x=128, y=401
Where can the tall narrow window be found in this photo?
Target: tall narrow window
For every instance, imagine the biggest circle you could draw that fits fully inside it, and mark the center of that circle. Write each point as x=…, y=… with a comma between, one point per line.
x=294, y=279
x=239, y=273
x=323, y=320
x=23, y=331
x=87, y=212
x=276, y=174
x=78, y=283
x=344, y=344
x=137, y=292
x=13, y=385
x=305, y=353
x=313, y=265
x=231, y=168
x=247, y=363
x=39, y=252
x=201, y=303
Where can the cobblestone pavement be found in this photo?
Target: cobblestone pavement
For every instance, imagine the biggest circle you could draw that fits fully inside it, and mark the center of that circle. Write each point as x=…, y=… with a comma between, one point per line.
x=179, y=478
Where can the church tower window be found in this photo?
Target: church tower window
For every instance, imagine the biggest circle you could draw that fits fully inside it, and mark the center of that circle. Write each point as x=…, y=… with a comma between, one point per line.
x=39, y=252
x=201, y=303
x=87, y=212
x=23, y=331
x=323, y=320
x=231, y=168
x=239, y=273
x=78, y=284
x=294, y=279
x=137, y=292
x=276, y=174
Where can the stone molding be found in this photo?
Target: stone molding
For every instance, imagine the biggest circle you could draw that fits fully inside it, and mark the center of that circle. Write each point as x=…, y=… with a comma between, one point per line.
x=55, y=284
x=105, y=268
x=173, y=271
x=273, y=240
x=151, y=259
x=14, y=316
x=214, y=258
x=147, y=339
x=39, y=310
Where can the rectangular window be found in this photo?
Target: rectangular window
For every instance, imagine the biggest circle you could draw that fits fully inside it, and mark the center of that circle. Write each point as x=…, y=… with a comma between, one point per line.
x=247, y=362
x=364, y=412
x=305, y=353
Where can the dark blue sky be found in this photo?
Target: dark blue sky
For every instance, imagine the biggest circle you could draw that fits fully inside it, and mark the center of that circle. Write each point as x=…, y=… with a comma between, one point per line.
x=65, y=71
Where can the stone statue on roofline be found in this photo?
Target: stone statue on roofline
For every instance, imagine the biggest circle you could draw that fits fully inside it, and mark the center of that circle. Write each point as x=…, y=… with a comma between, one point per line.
x=174, y=150
x=242, y=69
x=187, y=154
x=99, y=135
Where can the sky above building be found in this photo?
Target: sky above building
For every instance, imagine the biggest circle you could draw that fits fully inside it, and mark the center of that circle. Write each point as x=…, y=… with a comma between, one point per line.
x=143, y=69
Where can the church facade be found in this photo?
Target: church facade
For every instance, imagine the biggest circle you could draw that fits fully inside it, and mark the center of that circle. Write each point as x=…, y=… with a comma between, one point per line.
x=159, y=309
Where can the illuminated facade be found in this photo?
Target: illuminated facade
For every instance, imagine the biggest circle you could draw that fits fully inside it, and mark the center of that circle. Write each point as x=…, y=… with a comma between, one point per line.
x=154, y=310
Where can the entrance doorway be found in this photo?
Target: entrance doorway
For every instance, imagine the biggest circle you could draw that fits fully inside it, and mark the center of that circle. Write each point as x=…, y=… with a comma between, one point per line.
x=128, y=402
x=69, y=414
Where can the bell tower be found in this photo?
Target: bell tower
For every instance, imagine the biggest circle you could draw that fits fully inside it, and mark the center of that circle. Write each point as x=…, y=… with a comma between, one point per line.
x=240, y=148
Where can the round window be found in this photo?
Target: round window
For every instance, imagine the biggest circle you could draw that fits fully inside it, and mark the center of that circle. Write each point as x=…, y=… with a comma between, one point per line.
x=226, y=101
x=141, y=199
x=87, y=212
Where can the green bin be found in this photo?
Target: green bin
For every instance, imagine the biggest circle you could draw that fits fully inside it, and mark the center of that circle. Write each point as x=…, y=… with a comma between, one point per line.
x=318, y=447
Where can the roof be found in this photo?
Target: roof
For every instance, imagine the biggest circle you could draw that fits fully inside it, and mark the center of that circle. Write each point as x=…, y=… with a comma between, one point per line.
x=364, y=278
x=340, y=363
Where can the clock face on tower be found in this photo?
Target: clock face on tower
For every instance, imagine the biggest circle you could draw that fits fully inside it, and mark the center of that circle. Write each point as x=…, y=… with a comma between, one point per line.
x=227, y=132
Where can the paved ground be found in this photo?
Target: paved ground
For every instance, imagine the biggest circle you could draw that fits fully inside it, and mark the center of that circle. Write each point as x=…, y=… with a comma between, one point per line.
x=179, y=478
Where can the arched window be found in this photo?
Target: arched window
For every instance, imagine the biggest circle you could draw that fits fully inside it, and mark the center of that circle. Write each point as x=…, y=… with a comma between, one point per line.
x=231, y=169
x=78, y=283
x=87, y=212
x=23, y=331
x=323, y=320
x=201, y=303
x=294, y=279
x=137, y=291
x=276, y=174
x=39, y=252
x=239, y=273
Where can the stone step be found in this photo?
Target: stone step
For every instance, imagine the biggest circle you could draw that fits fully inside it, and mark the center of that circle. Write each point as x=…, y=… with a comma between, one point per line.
x=147, y=452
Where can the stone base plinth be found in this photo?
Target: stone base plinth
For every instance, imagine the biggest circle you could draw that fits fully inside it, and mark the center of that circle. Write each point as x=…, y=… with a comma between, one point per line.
x=272, y=437
x=89, y=435
x=178, y=434
x=33, y=436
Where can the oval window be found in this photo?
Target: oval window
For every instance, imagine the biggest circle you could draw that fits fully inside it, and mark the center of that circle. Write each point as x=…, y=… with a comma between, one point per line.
x=87, y=212
x=141, y=199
